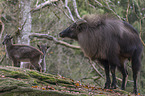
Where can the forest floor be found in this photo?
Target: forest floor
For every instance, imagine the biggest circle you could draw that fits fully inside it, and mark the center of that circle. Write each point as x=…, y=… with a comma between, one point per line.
x=24, y=82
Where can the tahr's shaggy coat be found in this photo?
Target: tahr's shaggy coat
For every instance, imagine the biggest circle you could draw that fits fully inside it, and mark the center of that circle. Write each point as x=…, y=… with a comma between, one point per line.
x=111, y=42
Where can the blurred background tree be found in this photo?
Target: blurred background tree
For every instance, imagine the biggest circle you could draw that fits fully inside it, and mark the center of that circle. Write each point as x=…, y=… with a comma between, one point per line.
x=23, y=17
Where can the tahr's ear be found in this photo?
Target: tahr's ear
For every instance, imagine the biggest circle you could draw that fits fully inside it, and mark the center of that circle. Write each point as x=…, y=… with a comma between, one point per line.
x=81, y=21
x=79, y=24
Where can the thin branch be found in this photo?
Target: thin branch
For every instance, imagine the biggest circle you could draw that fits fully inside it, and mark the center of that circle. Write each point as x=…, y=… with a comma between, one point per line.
x=139, y=17
x=2, y=29
x=98, y=3
x=141, y=34
x=66, y=5
x=42, y=5
x=93, y=65
x=108, y=7
x=46, y=36
x=127, y=10
x=18, y=29
x=75, y=8
x=37, y=3
x=4, y=56
x=63, y=12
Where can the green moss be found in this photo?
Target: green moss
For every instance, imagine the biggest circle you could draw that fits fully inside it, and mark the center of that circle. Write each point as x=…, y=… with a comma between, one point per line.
x=65, y=81
x=19, y=82
x=12, y=82
x=17, y=74
x=13, y=73
x=7, y=88
x=4, y=70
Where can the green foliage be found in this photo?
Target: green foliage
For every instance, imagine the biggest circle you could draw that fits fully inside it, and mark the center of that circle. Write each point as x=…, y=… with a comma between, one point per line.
x=137, y=25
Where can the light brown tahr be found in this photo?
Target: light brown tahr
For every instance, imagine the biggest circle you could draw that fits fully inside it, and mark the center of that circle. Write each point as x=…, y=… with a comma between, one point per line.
x=22, y=53
x=111, y=42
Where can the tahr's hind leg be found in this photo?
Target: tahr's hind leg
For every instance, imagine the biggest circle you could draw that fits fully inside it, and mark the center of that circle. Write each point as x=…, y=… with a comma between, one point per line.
x=136, y=65
x=113, y=68
x=125, y=76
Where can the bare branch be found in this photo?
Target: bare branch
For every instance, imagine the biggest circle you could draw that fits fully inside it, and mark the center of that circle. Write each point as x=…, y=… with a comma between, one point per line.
x=93, y=65
x=37, y=3
x=98, y=3
x=42, y=5
x=66, y=5
x=2, y=29
x=127, y=11
x=76, y=10
x=139, y=17
x=17, y=31
x=62, y=11
x=141, y=34
x=46, y=36
x=108, y=7
x=2, y=59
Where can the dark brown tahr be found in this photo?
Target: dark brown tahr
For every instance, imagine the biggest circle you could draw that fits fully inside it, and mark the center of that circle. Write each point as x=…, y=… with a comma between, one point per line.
x=22, y=53
x=110, y=41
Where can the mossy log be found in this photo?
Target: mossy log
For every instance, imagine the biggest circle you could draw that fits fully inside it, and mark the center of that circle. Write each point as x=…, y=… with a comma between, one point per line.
x=25, y=82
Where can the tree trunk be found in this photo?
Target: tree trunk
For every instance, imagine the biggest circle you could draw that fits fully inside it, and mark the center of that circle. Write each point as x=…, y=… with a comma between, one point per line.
x=25, y=21
x=25, y=18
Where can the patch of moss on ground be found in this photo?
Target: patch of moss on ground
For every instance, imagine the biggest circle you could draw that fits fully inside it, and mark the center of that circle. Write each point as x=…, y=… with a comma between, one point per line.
x=10, y=82
x=35, y=92
x=17, y=74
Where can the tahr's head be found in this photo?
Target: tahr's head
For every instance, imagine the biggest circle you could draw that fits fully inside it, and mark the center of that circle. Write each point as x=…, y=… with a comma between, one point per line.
x=73, y=30
x=6, y=39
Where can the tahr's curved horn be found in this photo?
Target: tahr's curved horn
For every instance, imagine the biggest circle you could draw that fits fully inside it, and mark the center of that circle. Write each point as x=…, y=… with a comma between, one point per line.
x=81, y=21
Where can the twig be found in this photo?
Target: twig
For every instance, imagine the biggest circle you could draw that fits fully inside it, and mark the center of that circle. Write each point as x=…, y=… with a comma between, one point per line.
x=107, y=7
x=18, y=29
x=2, y=30
x=141, y=34
x=75, y=8
x=63, y=12
x=2, y=58
x=93, y=65
x=98, y=3
x=140, y=22
x=46, y=36
x=42, y=5
x=127, y=11
x=66, y=5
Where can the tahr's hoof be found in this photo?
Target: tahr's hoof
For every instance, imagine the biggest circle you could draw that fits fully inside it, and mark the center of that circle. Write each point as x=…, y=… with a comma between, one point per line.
x=135, y=91
x=107, y=87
